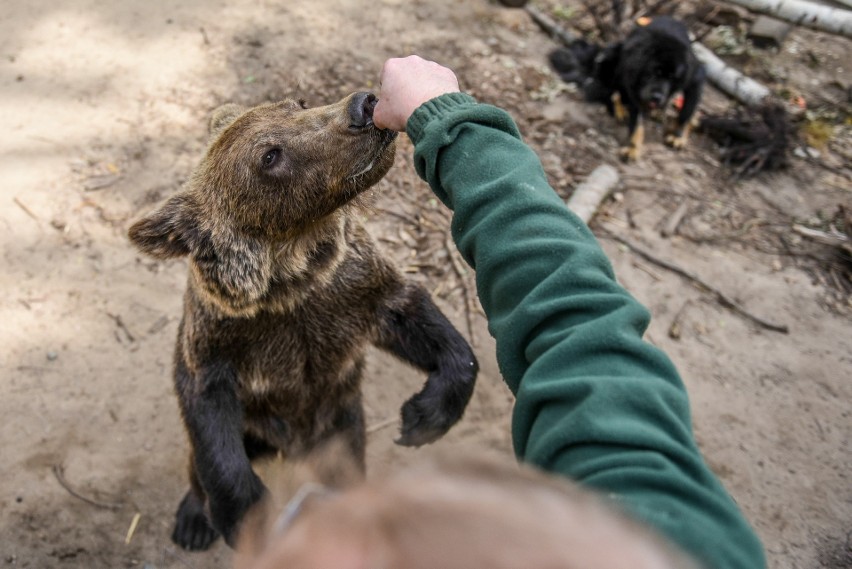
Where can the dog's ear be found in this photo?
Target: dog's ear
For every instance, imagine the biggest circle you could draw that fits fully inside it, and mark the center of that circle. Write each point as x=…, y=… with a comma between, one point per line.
x=172, y=230
x=222, y=117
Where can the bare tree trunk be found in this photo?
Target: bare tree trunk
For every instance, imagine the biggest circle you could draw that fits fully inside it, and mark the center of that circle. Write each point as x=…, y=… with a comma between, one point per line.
x=832, y=20
x=728, y=80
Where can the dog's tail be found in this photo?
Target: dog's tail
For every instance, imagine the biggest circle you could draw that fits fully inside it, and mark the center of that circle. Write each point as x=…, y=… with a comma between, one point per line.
x=575, y=63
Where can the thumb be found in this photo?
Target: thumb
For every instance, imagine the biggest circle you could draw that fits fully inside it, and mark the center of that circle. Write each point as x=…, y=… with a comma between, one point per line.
x=381, y=115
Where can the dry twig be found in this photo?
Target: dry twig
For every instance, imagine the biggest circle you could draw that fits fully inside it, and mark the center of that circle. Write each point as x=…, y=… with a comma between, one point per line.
x=27, y=210
x=381, y=425
x=59, y=473
x=553, y=29
x=122, y=326
x=670, y=228
x=721, y=297
x=809, y=14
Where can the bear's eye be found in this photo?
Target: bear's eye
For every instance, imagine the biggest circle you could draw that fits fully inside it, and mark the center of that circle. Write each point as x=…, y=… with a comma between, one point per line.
x=271, y=157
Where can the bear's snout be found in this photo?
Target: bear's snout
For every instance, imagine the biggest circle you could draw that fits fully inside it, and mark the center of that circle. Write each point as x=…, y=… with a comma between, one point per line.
x=361, y=110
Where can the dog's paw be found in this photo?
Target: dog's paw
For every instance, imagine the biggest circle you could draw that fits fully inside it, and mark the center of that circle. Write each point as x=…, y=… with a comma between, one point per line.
x=676, y=141
x=630, y=153
x=192, y=529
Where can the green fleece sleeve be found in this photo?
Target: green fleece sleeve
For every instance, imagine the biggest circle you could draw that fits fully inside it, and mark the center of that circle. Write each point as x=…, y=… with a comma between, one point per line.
x=594, y=401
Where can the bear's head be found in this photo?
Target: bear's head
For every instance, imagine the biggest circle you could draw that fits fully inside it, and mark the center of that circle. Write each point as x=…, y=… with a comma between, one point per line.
x=272, y=172
x=270, y=192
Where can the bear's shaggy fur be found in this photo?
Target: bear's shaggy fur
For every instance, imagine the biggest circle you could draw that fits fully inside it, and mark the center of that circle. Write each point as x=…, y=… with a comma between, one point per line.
x=286, y=290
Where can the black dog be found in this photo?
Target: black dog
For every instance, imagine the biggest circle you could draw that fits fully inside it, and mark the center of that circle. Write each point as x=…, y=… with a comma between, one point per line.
x=637, y=76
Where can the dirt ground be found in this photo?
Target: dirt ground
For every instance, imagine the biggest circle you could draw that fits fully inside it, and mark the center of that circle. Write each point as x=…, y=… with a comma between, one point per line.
x=104, y=108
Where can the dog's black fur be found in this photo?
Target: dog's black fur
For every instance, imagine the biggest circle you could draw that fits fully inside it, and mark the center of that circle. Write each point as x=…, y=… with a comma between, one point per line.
x=638, y=75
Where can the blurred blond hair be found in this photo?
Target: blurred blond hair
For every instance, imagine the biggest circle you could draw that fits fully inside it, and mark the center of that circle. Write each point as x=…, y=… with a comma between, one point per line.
x=458, y=514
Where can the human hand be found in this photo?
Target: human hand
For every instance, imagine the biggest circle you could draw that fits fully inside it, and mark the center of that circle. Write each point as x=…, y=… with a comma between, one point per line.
x=406, y=84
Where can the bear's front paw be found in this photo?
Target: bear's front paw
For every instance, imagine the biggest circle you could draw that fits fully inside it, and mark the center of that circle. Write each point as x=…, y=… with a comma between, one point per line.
x=422, y=422
x=431, y=413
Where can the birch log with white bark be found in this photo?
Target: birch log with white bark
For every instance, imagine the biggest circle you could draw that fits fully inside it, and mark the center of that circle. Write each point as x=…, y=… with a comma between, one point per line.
x=728, y=80
x=802, y=13
x=587, y=197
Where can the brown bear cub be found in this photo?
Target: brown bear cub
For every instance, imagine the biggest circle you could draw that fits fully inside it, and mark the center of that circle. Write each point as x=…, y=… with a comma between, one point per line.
x=286, y=291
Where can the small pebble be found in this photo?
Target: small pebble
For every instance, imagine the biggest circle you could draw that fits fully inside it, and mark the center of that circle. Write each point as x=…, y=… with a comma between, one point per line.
x=52, y=356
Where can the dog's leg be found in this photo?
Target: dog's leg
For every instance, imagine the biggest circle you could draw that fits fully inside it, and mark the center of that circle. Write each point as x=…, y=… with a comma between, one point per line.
x=633, y=150
x=414, y=329
x=677, y=137
x=213, y=419
x=619, y=111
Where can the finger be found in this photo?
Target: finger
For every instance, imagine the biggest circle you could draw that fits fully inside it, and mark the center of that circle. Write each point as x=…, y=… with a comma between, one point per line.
x=379, y=115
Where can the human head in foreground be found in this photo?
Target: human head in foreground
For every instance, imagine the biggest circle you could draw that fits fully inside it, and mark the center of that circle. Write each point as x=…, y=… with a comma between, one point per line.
x=458, y=514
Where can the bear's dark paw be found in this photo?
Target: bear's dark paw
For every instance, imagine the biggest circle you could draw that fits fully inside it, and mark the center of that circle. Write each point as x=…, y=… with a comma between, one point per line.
x=424, y=421
x=192, y=529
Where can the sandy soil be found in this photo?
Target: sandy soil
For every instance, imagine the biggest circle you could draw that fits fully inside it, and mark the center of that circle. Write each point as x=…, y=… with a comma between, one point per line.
x=104, y=108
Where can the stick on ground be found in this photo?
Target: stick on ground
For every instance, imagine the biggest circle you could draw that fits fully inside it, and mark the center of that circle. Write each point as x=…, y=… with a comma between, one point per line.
x=728, y=80
x=59, y=473
x=721, y=297
x=823, y=18
x=553, y=29
x=589, y=195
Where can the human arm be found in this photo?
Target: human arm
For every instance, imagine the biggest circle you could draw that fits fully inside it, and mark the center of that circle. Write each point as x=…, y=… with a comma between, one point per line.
x=594, y=401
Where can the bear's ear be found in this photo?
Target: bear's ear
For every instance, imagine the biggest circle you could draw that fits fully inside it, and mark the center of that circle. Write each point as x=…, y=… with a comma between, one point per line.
x=172, y=230
x=222, y=117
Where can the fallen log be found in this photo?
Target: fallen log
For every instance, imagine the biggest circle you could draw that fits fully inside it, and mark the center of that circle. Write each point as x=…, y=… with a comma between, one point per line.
x=729, y=80
x=553, y=29
x=587, y=197
x=824, y=18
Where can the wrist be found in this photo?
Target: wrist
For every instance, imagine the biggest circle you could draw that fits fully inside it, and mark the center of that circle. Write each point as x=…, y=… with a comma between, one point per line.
x=435, y=108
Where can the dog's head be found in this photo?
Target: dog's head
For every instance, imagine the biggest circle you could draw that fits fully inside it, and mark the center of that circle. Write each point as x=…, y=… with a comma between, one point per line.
x=272, y=172
x=665, y=64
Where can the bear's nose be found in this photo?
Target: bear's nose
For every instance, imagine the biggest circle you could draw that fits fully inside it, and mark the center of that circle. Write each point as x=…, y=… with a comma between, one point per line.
x=361, y=110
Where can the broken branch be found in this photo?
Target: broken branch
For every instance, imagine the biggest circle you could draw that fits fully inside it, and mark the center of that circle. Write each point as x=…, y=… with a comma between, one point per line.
x=553, y=29
x=27, y=210
x=833, y=20
x=834, y=238
x=589, y=195
x=723, y=299
x=729, y=80
x=670, y=228
x=59, y=473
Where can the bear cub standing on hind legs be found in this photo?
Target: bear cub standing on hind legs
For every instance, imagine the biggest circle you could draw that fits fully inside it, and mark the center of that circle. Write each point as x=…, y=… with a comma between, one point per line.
x=286, y=290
